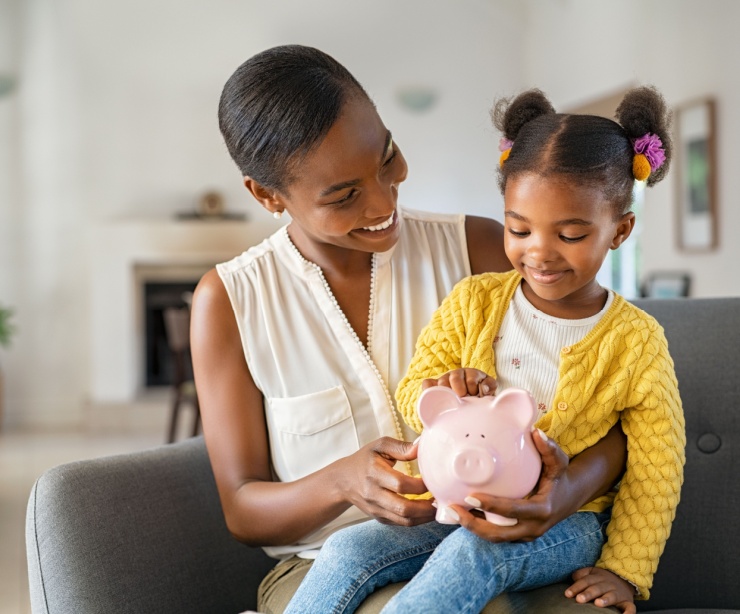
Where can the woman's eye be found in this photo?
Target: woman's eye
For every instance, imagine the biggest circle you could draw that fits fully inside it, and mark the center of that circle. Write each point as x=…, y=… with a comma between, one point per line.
x=572, y=239
x=347, y=198
x=390, y=158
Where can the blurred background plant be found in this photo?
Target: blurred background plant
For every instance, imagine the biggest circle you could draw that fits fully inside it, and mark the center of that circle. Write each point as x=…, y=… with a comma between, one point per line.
x=6, y=327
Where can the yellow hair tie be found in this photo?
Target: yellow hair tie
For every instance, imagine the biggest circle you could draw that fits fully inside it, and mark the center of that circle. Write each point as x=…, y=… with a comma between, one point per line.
x=504, y=156
x=641, y=167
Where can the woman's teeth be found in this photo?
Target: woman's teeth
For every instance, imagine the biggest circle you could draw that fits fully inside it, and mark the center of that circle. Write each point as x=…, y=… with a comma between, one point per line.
x=382, y=226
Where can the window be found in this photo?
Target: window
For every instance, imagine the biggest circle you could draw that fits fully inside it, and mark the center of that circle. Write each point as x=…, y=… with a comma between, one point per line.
x=621, y=269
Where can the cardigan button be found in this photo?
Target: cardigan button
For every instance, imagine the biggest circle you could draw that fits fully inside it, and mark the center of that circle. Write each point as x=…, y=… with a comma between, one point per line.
x=566, y=350
x=562, y=405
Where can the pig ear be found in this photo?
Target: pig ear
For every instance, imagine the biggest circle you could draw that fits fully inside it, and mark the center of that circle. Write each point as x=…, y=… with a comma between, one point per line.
x=433, y=401
x=519, y=404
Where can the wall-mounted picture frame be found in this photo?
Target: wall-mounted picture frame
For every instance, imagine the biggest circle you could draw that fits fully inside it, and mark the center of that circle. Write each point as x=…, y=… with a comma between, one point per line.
x=696, y=172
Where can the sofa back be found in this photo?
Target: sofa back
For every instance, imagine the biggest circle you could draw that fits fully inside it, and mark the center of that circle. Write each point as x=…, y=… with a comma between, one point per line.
x=699, y=566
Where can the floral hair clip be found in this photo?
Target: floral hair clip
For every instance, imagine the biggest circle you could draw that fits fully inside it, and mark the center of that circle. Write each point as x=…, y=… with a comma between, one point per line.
x=504, y=146
x=649, y=156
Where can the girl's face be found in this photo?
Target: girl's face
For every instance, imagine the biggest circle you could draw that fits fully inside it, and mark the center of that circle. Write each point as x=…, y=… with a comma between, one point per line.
x=557, y=235
x=345, y=191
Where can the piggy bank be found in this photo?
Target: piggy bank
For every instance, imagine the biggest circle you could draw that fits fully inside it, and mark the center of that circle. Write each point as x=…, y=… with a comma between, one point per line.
x=477, y=444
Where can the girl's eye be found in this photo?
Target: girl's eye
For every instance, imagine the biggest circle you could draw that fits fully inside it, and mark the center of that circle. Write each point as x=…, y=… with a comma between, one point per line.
x=519, y=233
x=573, y=239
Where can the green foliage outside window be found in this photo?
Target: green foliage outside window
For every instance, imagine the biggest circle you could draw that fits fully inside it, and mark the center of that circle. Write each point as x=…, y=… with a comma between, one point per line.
x=6, y=327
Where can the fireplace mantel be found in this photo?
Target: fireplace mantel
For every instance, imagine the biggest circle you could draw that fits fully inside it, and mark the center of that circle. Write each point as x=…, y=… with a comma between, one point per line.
x=127, y=250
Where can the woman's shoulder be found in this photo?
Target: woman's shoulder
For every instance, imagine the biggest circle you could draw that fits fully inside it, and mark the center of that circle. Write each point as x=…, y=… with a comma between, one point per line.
x=249, y=258
x=418, y=216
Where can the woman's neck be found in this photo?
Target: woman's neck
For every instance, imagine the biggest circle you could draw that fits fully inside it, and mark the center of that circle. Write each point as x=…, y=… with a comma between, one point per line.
x=334, y=261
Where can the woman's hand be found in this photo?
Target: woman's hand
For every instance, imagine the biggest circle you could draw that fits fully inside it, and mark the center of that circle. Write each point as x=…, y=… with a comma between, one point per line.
x=604, y=588
x=464, y=382
x=373, y=485
x=551, y=502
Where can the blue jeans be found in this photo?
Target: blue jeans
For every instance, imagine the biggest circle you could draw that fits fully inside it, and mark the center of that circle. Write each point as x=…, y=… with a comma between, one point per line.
x=453, y=570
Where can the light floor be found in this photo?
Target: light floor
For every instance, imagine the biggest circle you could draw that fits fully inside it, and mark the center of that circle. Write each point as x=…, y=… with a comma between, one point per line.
x=23, y=457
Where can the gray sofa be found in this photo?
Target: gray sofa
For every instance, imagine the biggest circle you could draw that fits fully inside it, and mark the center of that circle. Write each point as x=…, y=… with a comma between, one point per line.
x=144, y=532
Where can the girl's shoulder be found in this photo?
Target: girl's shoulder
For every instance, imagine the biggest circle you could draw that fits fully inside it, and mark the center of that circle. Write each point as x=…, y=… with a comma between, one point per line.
x=488, y=282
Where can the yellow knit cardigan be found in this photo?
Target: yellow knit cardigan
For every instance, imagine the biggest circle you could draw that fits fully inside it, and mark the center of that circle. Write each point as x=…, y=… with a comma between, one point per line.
x=621, y=370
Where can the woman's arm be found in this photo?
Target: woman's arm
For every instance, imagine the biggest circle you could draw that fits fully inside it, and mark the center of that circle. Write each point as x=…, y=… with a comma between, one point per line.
x=486, y=245
x=258, y=510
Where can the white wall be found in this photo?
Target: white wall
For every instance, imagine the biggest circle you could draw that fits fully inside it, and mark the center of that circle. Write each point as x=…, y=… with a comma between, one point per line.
x=579, y=50
x=116, y=118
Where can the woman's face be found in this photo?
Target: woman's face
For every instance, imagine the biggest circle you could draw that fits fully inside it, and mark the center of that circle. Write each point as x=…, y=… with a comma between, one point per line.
x=345, y=191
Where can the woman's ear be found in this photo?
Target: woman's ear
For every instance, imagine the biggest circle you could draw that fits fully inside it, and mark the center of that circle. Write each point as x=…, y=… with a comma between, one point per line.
x=266, y=197
x=624, y=229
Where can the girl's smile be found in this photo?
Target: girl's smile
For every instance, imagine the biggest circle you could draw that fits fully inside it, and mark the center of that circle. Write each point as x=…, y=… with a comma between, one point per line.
x=557, y=235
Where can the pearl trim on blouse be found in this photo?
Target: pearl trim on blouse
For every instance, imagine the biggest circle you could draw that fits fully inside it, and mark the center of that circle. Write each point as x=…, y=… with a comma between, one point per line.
x=365, y=350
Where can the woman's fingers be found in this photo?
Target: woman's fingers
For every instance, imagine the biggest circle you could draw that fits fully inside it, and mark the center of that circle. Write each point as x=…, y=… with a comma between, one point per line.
x=377, y=488
x=554, y=460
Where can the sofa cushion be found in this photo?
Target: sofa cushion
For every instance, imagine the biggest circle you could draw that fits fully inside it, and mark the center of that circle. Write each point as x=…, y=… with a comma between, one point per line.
x=699, y=566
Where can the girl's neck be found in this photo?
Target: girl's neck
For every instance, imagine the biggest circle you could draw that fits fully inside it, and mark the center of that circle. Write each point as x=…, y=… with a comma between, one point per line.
x=588, y=301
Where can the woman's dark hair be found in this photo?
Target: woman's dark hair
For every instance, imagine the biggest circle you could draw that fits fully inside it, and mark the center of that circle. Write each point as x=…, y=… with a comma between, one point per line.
x=592, y=150
x=278, y=105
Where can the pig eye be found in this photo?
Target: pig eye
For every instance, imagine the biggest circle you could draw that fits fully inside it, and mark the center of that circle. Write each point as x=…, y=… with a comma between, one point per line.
x=482, y=435
x=467, y=434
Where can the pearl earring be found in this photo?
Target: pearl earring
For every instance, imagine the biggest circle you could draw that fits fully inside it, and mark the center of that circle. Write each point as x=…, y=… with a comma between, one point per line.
x=277, y=214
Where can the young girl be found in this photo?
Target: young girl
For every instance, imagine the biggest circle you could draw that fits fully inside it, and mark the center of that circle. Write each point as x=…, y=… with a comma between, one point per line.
x=588, y=356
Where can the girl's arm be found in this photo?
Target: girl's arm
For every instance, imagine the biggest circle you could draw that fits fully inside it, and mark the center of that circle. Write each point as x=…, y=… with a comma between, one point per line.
x=258, y=510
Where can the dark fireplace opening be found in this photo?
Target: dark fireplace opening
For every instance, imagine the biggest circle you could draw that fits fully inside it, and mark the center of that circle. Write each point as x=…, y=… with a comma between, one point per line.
x=158, y=296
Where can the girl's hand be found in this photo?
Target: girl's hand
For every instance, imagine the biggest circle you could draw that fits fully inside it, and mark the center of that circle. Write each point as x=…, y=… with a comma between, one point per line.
x=604, y=588
x=464, y=382
x=551, y=502
x=371, y=483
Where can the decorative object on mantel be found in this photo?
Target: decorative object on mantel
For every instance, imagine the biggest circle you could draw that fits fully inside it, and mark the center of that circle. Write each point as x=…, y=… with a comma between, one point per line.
x=696, y=172
x=6, y=333
x=211, y=206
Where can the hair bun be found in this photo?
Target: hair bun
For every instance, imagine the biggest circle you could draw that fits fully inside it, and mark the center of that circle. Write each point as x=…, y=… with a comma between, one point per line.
x=509, y=115
x=643, y=111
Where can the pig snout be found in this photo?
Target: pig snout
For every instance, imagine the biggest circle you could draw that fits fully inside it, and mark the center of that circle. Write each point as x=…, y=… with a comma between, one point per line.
x=473, y=466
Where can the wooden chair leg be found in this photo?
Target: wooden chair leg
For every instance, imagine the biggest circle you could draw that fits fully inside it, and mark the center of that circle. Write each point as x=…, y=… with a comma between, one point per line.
x=196, y=419
x=173, y=418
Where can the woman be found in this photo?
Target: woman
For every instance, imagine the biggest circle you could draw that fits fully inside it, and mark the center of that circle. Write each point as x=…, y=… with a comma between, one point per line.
x=298, y=343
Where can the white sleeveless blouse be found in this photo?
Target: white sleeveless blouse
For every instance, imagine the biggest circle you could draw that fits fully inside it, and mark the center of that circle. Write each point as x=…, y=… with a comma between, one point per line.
x=325, y=395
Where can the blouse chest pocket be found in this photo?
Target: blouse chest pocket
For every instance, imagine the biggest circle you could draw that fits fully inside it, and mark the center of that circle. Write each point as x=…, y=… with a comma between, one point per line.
x=310, y=431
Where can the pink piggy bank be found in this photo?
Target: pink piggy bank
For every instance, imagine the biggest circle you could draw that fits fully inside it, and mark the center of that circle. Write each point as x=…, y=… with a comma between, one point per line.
x=477, y=444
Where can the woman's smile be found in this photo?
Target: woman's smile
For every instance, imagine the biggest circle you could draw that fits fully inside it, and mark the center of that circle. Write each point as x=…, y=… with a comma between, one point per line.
x=381, y=230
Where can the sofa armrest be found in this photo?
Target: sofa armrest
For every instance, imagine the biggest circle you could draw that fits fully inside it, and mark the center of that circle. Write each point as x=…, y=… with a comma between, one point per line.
x=141, y=532
x=699, y=566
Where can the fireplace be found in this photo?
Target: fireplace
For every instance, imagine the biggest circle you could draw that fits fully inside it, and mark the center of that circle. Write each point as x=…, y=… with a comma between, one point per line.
x=158, y=296
x=130, y=255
